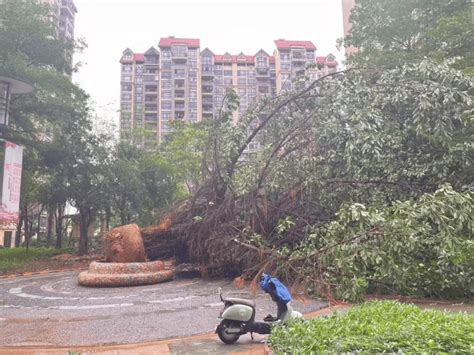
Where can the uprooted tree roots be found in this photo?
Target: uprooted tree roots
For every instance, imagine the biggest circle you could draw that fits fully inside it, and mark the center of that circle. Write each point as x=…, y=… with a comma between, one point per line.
x=285, y=208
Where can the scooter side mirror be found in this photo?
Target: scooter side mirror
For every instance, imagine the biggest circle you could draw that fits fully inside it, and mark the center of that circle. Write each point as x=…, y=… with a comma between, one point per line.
x=220, y=294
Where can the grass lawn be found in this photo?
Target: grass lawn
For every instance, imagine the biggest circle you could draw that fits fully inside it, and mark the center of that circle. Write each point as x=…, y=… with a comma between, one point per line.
x=11, y=259
x=378, y=327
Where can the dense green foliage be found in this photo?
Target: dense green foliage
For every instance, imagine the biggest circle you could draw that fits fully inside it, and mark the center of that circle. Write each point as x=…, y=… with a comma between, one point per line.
x=378, y=327
x=422, y=247
x=67, y=162
x=11, y=259
x=390, y=33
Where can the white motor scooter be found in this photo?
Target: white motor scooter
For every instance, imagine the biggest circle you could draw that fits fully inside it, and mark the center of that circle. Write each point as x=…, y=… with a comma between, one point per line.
x=238, y=318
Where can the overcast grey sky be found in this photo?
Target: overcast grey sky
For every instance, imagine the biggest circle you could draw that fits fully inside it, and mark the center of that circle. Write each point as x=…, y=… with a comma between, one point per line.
x=110, y=26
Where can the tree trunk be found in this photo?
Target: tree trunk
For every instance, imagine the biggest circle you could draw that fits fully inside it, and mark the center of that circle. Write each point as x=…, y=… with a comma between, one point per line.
x=108, y=215
x=50, y=226
x=26, y=225
x=18, y=229
x=28, y=236
x=38, y=227
x=85, y=220
x=59, y=226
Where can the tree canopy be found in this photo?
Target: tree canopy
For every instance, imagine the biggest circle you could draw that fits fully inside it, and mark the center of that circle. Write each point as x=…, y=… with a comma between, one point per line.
x=391, y=33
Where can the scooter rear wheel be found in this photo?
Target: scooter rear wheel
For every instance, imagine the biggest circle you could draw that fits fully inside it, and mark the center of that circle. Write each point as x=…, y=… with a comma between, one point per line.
x=222, y=331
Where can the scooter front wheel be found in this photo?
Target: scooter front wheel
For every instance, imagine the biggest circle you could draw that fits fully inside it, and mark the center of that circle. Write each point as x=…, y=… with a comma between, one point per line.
x=222, y=331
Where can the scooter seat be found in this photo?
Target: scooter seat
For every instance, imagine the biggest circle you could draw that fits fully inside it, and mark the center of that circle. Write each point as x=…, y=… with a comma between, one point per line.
x=244, y=301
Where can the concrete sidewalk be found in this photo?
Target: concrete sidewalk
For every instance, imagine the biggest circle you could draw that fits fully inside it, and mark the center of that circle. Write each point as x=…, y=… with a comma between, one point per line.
x=207, y=343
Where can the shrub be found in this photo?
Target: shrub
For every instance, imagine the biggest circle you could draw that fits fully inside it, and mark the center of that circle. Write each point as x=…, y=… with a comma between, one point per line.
x=380, y=326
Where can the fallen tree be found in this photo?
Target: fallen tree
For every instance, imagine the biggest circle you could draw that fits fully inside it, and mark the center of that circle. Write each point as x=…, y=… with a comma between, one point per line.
x=353, y=138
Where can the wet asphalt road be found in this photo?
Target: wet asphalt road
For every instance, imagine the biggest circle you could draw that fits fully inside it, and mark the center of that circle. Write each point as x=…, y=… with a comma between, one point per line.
x=54, y=310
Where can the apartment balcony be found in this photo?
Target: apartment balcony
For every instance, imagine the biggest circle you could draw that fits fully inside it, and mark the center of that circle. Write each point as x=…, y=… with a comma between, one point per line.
x=207, y=108
x=150, y=77
x=298, y=57
x=207, y=72
x=151, y=90
x=262, y=72
x=179, y=57
x=67, y=8
x=151, y=108
x=207, y=115
x=151, y=117
x=179, y=107
x=179, y=115
x=152, y=60
x=179, y=86
x=207, y=90
x=179, y=95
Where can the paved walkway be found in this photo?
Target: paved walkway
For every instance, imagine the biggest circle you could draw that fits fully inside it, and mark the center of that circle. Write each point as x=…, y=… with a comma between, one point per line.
x=201, y=344
x=50, y=311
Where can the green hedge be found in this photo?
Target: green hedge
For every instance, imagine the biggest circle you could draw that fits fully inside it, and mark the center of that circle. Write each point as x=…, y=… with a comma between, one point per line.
x=380, y=326
x=11, y=259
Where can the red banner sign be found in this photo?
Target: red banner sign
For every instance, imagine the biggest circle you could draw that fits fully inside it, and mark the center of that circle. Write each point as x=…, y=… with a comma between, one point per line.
x=11, y=186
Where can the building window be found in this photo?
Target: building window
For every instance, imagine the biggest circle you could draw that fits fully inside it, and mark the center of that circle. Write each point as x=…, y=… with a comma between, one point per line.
x=180, y=73
x=165, y=116
x=179, y=51
x=166, y=105
x=207, y=60
x=165, y=75
x=166, y=94
x=261, y=61
x=284, y=56
x=166, y=53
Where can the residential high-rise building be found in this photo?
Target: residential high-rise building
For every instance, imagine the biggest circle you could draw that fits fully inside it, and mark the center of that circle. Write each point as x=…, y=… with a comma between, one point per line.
x=63, y=16
x=66, y=19
x=347, y=6
x=178, y=82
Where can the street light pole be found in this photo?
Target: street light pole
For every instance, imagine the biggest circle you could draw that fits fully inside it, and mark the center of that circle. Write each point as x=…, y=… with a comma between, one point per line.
x=11, y=156
x=8, y=87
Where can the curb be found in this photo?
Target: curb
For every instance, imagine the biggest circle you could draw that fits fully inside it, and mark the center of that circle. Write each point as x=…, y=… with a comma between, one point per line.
x=39, y=273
